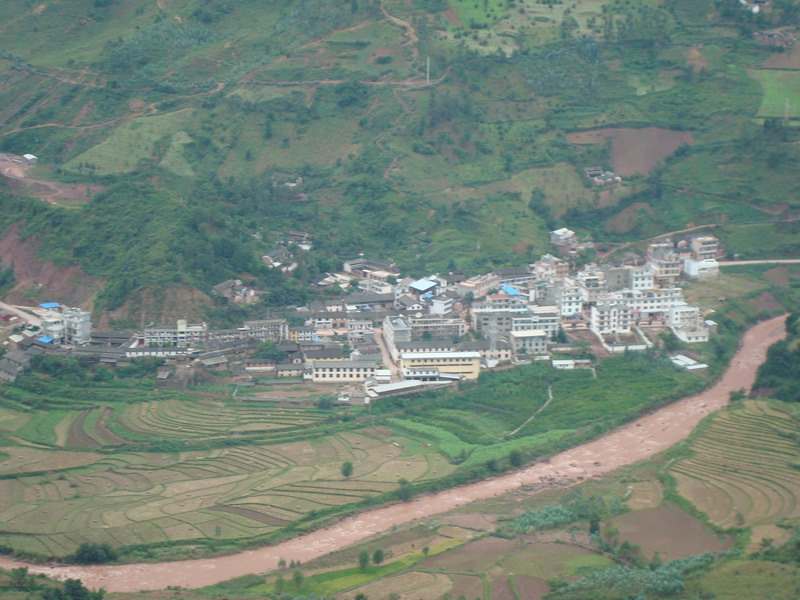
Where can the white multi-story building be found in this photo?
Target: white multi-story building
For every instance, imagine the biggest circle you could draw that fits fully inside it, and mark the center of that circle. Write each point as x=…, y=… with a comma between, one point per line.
x=651, y=303
x=182, y=335
x=478, y=286
x=610, y=317
x=77, y=326
x=529, y=341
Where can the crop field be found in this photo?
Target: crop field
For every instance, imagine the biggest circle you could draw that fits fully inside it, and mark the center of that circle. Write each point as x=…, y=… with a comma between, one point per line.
x=635, y=151
x=742, y=469
x=781, y=92
x=130, y=498
x=138, y=140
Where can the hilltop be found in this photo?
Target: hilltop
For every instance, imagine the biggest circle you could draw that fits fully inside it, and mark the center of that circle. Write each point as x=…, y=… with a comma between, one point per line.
x=443, y=135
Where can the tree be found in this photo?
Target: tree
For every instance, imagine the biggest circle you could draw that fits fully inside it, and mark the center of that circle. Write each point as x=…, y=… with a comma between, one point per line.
x=19, y=578
x=325, y=402
x=377, y=556
x=269, y=350
x=360, y=596
x=280, y=584
x=405, y=490
x=297, y=579
x=347, y=469
x=363, y=559
x=516, y=458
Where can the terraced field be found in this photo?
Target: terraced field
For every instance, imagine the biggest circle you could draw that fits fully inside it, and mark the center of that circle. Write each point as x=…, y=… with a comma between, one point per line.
x=227, y=493
x=180, y=419
x=742, y=471
x=128, y=474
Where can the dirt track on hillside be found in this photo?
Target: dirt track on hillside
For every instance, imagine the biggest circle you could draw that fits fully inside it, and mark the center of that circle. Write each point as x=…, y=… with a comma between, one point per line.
x=629, y=444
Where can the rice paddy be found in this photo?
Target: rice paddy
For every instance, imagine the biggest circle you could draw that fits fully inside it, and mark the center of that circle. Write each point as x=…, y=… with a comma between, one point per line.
x=742, y=469
x=81, y=476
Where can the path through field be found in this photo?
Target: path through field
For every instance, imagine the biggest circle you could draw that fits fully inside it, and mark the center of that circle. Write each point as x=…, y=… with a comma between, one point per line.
x=629, y=444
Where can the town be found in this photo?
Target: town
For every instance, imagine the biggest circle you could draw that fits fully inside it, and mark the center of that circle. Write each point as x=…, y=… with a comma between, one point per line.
x=392, y=335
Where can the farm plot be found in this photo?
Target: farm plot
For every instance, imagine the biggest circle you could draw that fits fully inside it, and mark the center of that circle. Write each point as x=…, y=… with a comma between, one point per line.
x=635, y=151
x=225, y=494
x=183, y=419
x=741, y=471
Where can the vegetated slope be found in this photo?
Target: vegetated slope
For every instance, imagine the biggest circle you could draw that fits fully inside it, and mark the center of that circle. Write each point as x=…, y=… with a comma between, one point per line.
x=194, y=105
x=779, y=376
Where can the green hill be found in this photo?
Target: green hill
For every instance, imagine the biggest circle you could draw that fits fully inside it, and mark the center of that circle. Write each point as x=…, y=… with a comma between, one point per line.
x=180, y=112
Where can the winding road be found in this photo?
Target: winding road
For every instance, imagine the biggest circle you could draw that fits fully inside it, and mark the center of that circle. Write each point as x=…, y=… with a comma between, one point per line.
x=631, y=443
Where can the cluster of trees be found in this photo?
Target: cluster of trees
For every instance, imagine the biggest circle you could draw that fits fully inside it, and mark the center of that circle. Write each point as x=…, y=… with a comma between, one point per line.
x=20, y=580
x=779, y=375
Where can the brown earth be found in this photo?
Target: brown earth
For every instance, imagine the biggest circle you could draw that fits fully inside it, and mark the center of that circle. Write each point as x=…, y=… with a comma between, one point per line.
x=695, y=59
x=76, y=436
x=160, y=306
x=15, y=176
x=628, y=218
x=102, y=430
x=477, y=556
x=766, y=302
x=501, y=589
x=629, y=444
x=635, y=151
x=250, y=514
x=779, y=275
x=784, y=60
x=469, y=586
x=670, y=532
x=530, y=588
x=69, y=285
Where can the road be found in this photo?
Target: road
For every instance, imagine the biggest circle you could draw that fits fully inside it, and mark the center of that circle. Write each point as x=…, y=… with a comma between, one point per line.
x=33, y=320
x=777, y=261
x=629, y=444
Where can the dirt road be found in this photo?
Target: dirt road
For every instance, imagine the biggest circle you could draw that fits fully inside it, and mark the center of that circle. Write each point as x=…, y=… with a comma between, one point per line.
x=631, y=443
x=25, y=316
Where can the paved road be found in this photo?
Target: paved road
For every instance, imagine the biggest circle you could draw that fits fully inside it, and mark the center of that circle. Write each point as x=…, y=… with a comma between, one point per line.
x=25, y=316
x=780, y=261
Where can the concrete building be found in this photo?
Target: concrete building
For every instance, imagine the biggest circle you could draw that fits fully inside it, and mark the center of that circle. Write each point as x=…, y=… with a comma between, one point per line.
x=77, y=326
x=395, y=330
x=275, y=330
x=610, y=317
x=478, y=286
x=465, y=364
x=529, y=341
x=184, y=334
x=704, y=247
x=701, y=269
x=436, y=327
x=337, y=371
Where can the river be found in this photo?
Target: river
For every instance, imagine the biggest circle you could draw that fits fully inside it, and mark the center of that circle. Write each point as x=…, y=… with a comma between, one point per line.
x=631, y=443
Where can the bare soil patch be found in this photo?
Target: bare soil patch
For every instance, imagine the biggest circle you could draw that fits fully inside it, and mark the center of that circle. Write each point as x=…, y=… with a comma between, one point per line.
x=476, y=556
x=469, y=586
x=476, y=521
x=765, y=302
x=695, y=59
x=501, y=589
x=68, y=285
x=635, y=151
x=645, y=494
x=103, y=432
x=530, y=588
x=76, y=436
x=15, y=176
x=451, y=14
x=784, y=60
x=250, y=514
x=628, y=218
x=670, y=532
x=779, y=275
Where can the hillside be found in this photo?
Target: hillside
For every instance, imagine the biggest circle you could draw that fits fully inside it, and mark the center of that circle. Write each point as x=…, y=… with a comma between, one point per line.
x=160, y=128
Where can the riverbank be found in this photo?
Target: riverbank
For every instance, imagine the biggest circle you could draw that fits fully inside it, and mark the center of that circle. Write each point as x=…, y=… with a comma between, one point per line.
x=626, y=445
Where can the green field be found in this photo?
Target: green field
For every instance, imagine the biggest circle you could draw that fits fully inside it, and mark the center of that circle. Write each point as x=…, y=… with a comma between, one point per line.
x=781, y=92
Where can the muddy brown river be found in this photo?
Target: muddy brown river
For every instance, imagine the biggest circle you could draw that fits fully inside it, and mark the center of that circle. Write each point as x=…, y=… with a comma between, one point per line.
x=629, y=444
